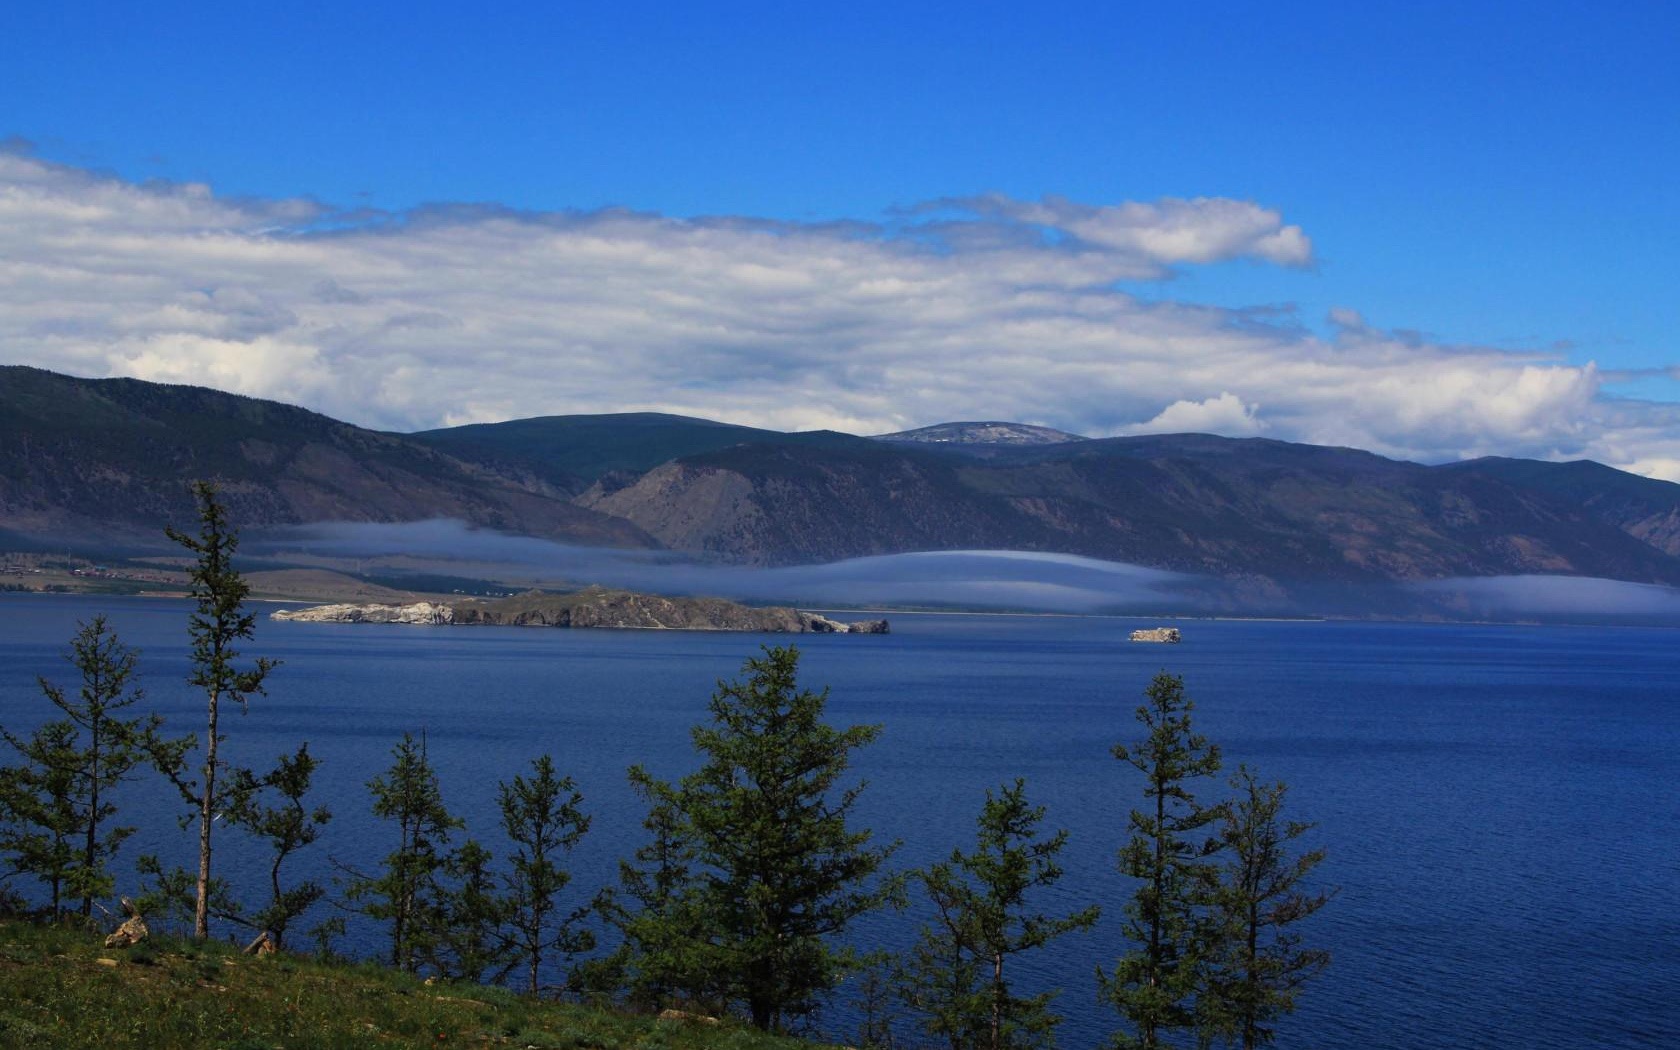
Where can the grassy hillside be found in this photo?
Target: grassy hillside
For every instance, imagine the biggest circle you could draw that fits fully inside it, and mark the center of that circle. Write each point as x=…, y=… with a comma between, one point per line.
x=572, y=452
x=60, y=988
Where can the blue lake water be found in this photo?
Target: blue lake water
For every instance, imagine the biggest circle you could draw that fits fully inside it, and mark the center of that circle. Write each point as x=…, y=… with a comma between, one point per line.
x=1501, y=805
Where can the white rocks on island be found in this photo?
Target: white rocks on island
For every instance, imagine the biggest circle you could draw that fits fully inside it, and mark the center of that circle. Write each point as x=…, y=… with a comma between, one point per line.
x=591, y=607
x=1157, y=634
x=427, y=614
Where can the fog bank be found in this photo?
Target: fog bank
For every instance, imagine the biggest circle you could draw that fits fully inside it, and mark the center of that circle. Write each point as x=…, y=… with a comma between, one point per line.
x=968, y=579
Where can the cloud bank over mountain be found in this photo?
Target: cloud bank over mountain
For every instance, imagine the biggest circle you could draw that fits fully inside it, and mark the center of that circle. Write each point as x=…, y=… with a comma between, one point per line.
x=972, y=308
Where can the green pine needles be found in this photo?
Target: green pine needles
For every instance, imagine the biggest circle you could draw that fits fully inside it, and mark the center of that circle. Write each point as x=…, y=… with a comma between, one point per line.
x=769, y=871
x=1213, y=955
x=955, y=975
x=57, y=802
x=217, y=625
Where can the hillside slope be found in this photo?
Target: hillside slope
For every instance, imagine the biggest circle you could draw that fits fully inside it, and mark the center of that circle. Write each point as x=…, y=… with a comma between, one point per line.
x=116, y=456
x=1188, y=502
x=86, y=458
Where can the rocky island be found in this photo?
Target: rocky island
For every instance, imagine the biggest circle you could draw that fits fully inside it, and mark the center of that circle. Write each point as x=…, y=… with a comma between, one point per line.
x=591, y=607
x=1169, y=635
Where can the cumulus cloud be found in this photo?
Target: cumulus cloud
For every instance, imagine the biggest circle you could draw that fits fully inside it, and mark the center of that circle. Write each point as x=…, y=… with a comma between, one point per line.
x=979, y=308
x=1225, y=414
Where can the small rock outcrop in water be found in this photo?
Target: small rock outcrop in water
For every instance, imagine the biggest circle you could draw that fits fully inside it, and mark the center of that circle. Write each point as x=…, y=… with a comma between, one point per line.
x=592, y=607
x=1156, y=634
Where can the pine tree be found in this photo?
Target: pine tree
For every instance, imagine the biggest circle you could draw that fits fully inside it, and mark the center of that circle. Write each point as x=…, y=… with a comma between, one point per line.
x=408, y=893
x=778, y=872
x=1260, y=899
x=543, y=817
x=1154, y=984
x=956, y=977
x=286, y=827
x=216, y=626
x=60, y=799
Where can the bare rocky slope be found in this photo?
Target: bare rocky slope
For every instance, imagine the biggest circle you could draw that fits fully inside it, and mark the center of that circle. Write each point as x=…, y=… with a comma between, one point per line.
x=1193, y=503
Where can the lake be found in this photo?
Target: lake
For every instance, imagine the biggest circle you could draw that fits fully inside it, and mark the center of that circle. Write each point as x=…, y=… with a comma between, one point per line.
x=1501, y=804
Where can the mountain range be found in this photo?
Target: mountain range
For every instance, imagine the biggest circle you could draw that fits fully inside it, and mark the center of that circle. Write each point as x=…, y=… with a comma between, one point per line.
x=111, y=459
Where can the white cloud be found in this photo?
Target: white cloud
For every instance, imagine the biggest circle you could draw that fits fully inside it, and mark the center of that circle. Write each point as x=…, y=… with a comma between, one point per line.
x=988, y=308
x=1225, y=414
x=1203, y=230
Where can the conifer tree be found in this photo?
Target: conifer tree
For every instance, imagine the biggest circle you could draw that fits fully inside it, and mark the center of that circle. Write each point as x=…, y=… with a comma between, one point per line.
x=657, y=962
x=60, y=799
x=543, y=817
x=216, y=626
x=1260, y=898
x=956, y=975
x=287, y=826
x=461, y=932
x=778, y=871
x=408, y=894
x=38, y=818
x=1155, y=983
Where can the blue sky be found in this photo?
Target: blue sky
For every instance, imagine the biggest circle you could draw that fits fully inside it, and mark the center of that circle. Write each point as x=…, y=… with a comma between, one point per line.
x=1492, y=175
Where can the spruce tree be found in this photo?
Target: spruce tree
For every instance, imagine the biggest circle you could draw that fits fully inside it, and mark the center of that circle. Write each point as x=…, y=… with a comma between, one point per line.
x=778, y=870
x=544, y=818
x=1260, y=899
x=60, y=799
x=1155, y=983
x=956, y=975
x=217, y=624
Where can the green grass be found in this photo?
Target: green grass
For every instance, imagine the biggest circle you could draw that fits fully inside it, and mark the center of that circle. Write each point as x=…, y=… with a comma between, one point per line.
x=59, y=987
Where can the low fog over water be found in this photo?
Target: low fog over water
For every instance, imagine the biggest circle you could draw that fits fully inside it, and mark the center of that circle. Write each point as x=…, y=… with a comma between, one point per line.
x=972, y=579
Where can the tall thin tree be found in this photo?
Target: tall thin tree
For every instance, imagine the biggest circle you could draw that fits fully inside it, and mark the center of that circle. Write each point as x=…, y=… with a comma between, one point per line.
x=1154, y=984
x=1261, y=896
x=544, y=818
x=408, y=893
x=217, y=624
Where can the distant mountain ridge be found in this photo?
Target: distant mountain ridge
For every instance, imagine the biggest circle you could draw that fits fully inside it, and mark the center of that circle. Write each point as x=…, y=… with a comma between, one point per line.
x=114, y=457
x=985, y=433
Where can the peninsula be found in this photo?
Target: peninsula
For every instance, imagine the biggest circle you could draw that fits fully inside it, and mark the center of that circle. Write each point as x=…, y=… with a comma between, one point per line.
x=591, y=607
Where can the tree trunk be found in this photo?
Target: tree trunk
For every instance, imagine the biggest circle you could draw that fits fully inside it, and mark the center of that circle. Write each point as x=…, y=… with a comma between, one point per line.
x=201, y=908
x=90, y=847
x=997, y=1000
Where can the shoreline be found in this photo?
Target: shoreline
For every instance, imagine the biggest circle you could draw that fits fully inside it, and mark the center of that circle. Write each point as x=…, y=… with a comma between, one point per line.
x=905, y=612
